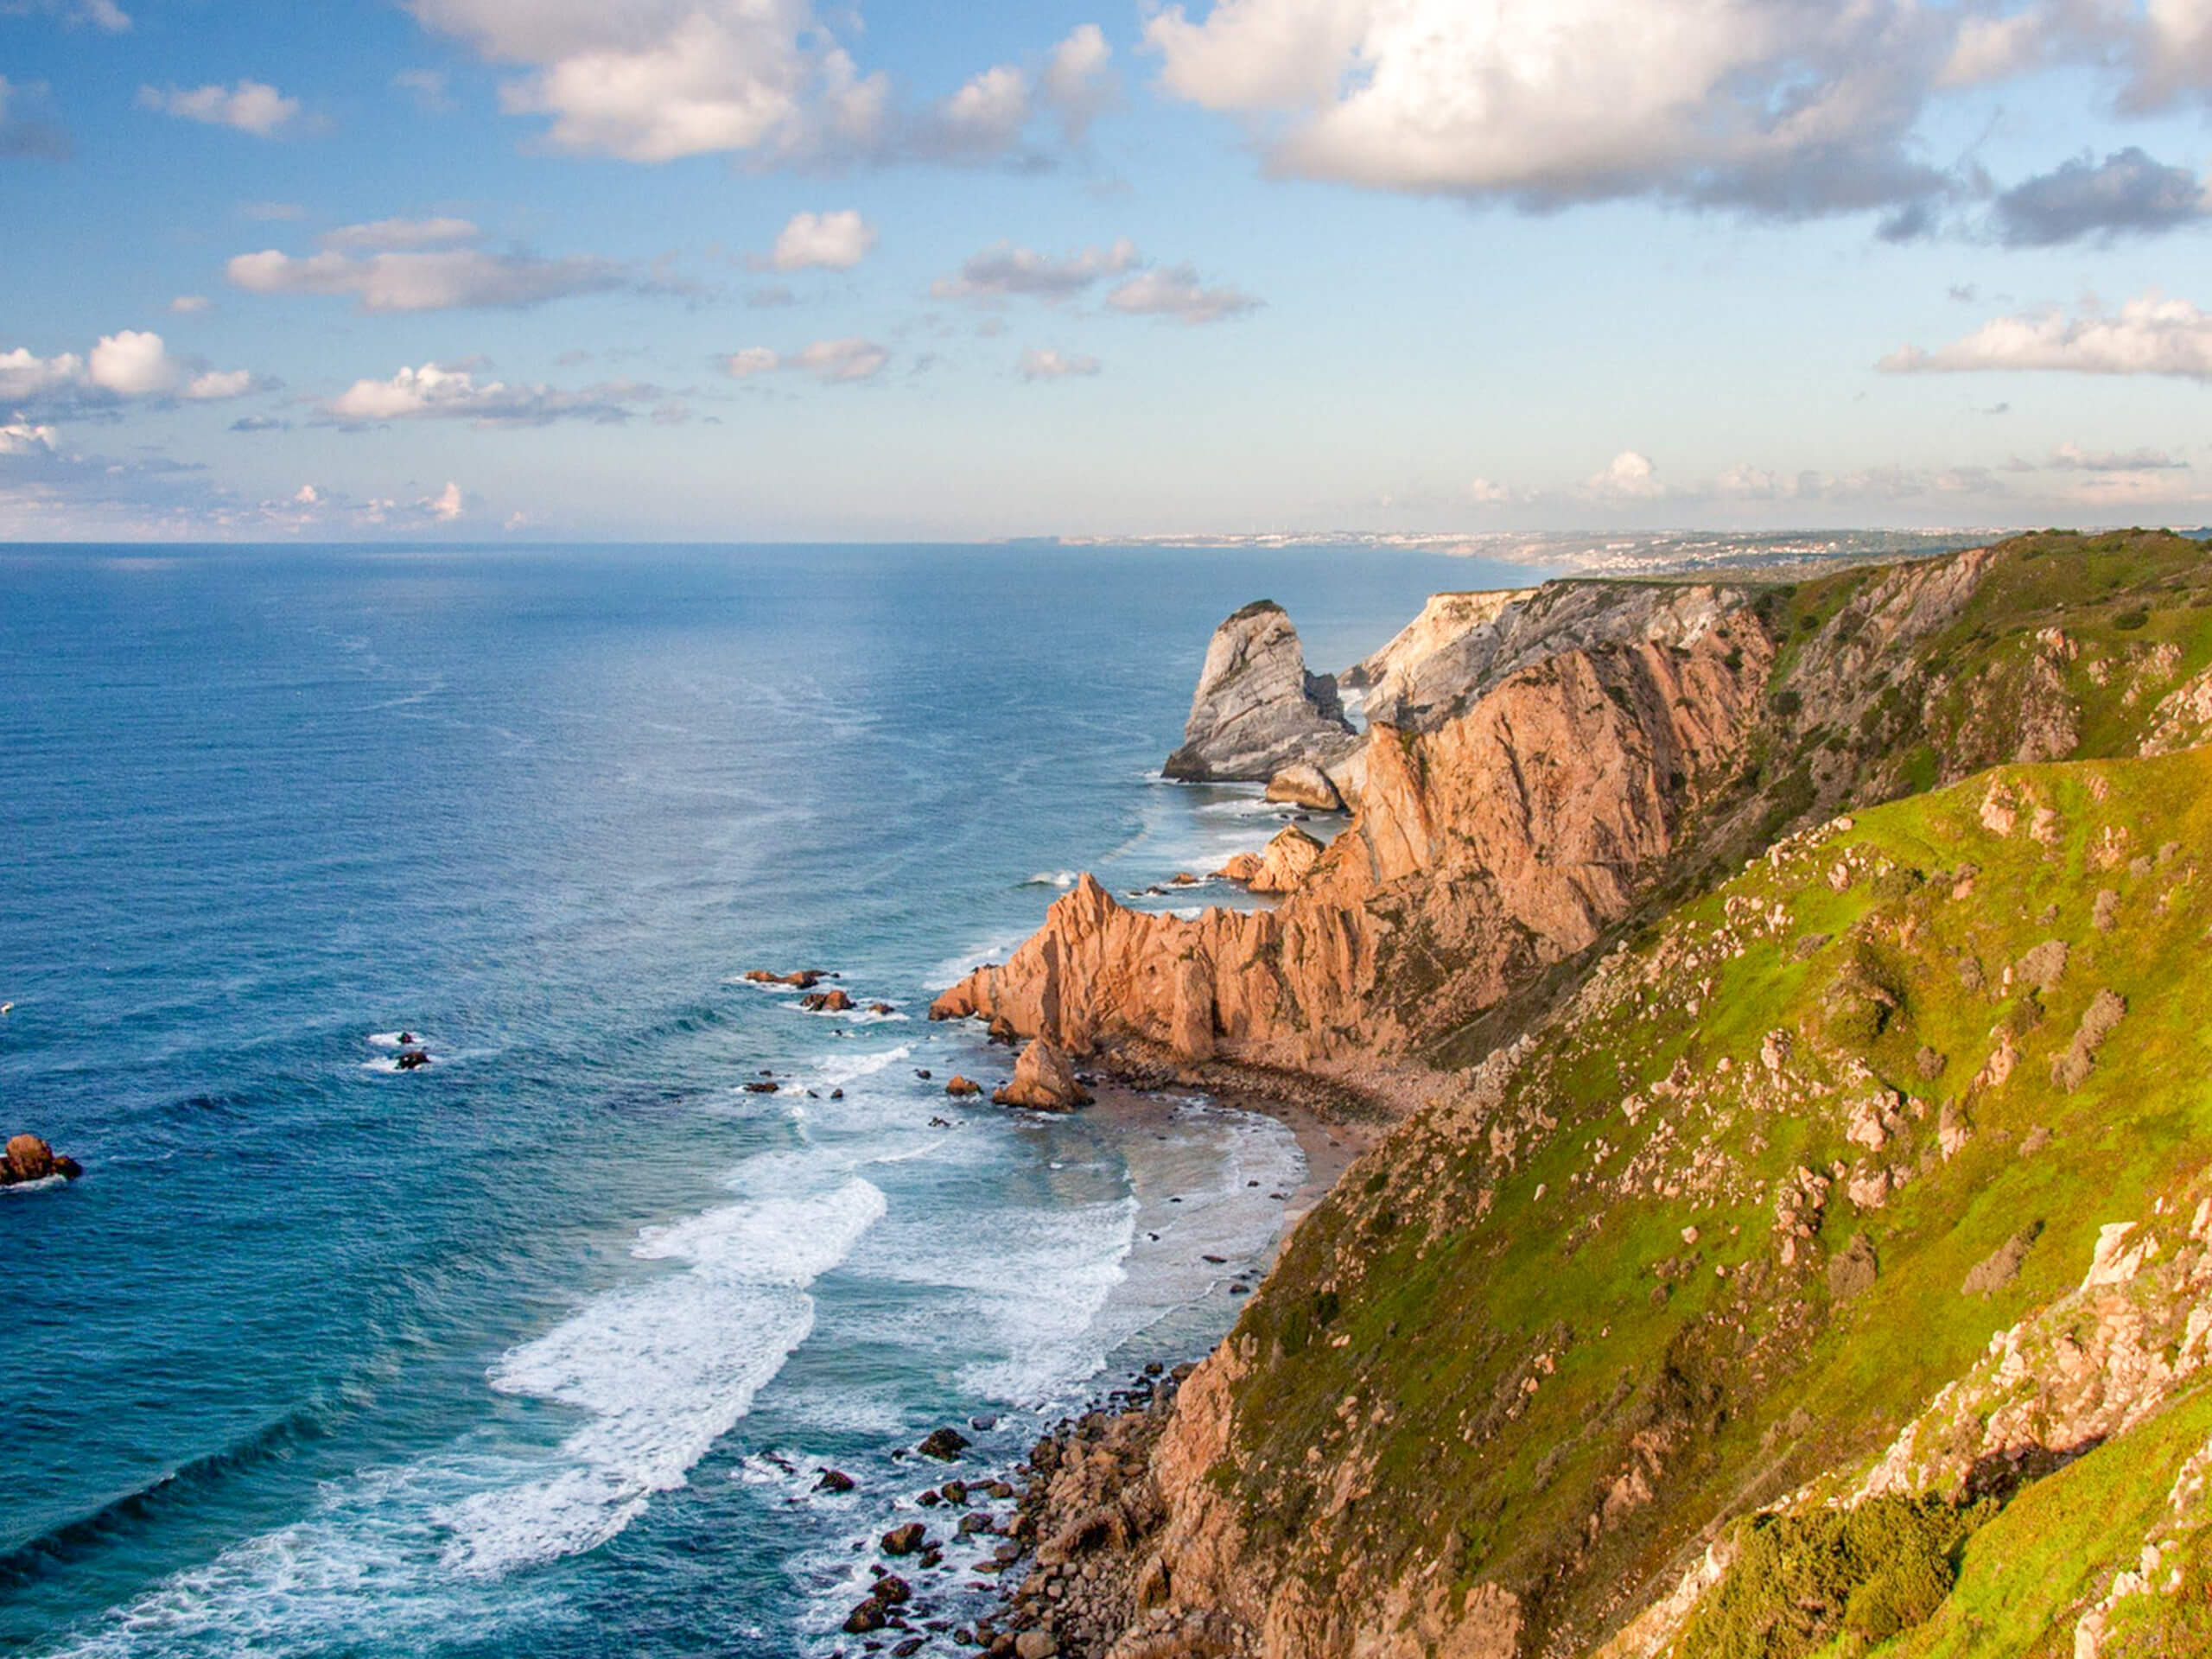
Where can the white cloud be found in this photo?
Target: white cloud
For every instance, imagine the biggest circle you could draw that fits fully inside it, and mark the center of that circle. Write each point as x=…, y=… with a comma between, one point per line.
x=128, y=364
x=1076, y=83
x=1786, y=106
x=1175, y=291
x=2149, y=334
x=655, y=80
x=1630, y=476
x=1043, y=363
x=308, y=496
x=101, y=14
x=2071, y=457
x=22, y=438
x=447, y=505
x=832, y=241
x=447, y=279
x=831, y=361
x=188, y=305
x=1003, y=271
x=251, y=106
x=436, y=392
x=132, y=364
x=389, y=233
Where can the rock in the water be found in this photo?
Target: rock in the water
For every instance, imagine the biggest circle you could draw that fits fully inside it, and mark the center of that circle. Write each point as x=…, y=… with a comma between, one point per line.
x=1304, y=784
x=762, y=1087
x=29, y=1158
x=826, y=1003
x=1257, y=711
x=411, y=1060
x=1289, y=859
x=1042, y=1081
x=944, y=1444
x=834, y=1480
x=961, y=1087
x=1241, y=868
x=905, y=1541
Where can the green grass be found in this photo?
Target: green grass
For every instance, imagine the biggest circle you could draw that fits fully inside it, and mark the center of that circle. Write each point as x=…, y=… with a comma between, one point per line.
x=1449, y=1284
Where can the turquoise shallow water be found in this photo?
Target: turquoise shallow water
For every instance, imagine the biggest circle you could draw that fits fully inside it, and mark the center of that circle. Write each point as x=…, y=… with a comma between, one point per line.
x=536, y=1352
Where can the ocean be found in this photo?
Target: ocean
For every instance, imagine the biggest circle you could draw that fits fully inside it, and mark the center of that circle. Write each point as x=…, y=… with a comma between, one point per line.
x=539, y=1350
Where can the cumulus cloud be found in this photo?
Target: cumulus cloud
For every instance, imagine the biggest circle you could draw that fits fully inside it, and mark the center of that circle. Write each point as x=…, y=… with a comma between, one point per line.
x=130, y=365
x=655, y=80
x=2127, y=192
x=1777, y=106
x=22, y=438
x=390, y=233
x=831, y=361
x=447, y=505
x=442, y=280
x=251, y=106
x=1043, y=363
x=1078, y=84
x=2149, y=334
x=988, y=116
x=1175, y=291
x=832, y=241
x=1005, y=271
x=1630, y=476
x=436, y=392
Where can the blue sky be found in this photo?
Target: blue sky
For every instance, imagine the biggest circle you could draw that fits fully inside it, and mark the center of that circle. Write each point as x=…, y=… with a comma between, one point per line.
x=759, y=269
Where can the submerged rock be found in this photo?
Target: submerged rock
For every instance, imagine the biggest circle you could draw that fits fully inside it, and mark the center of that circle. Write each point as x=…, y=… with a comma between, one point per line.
x=412, y=1059
x=1256, y=710
x=29, y=1158
x=1043, y=1082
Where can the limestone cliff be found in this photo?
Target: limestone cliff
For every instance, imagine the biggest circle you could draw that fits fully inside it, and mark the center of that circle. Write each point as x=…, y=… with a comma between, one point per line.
x=1257, y=711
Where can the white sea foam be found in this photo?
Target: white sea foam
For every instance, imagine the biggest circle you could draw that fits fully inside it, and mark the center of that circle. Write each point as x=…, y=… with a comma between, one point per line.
x=956, y=969
x=1054, y=879
x=837, y=1070
x=666, y=1368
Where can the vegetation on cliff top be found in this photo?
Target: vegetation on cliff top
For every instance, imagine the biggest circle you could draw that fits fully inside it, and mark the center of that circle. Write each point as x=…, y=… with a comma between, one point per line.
x=1709, y=1240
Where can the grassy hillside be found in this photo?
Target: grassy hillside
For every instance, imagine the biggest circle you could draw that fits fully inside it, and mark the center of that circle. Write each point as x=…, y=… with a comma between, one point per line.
x=1710, y=1239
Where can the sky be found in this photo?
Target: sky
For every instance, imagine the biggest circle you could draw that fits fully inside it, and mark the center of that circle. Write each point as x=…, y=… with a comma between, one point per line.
x=777, y=271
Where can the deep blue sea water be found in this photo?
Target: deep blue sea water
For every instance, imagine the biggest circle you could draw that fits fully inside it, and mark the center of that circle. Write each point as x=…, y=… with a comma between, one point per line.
x=537, y=1351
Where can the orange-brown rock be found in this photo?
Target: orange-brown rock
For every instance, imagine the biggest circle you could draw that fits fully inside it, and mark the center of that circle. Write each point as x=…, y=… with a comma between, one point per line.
x=1241, y=868
x=1289, y=860
x=1485, y=847
x=29, y=1158
x=960, y=1088
x=1043, y=1082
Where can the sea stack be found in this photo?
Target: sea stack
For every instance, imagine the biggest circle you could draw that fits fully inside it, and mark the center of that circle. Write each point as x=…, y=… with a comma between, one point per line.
x=1258, y=712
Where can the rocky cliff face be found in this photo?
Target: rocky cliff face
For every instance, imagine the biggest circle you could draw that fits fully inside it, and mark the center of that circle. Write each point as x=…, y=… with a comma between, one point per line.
x=1257, y=711
x=1486, y=846
x=1861, y=1197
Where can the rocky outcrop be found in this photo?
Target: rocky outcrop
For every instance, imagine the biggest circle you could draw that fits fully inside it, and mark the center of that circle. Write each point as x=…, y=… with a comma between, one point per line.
x=1484, y=848
x=1042, y=1081
x=1304, y=784
x=29, y=1158
x=1289, y=860
x=1257, y=711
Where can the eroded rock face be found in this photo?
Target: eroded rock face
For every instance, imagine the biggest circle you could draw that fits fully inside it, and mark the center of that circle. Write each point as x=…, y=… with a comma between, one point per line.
x=1304, y=784
x=1289, y=860
x=1257, y=711
x=1484, y=849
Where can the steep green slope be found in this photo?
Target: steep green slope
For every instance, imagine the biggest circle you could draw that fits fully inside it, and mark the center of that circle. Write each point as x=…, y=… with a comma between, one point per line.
x=1706, y=1239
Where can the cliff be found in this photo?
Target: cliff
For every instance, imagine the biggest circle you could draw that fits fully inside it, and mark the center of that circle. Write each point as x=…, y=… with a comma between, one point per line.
x=1817, y=1255
x=1485, y=847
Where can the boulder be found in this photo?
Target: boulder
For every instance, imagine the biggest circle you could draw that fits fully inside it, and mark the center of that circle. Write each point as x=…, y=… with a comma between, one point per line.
x=1241, y=868
x=762, y=1087
x=1304, y=784
x=905, y=1540
x=29, y=1158
x=946, y=1444
x=834, y=1480
x=1256, y=710
x=411, y=1060
x=1289, y=860
x=961, y=1087
x=826, y=1003
x=1043, y=1082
